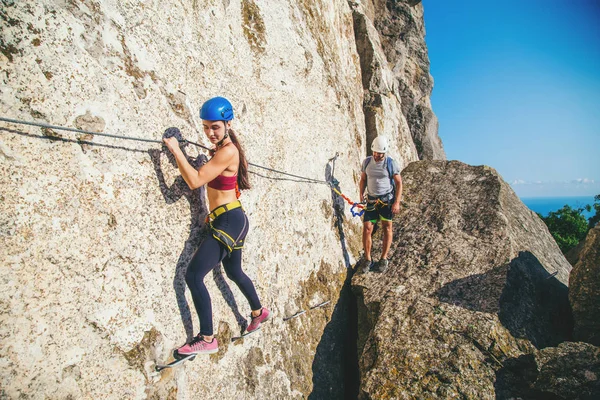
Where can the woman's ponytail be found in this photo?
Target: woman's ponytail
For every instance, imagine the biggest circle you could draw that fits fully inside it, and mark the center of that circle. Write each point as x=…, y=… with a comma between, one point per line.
x=242, y=176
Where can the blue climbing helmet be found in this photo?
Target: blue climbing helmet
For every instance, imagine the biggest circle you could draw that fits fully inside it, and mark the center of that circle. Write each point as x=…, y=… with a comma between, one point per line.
x=217, y=109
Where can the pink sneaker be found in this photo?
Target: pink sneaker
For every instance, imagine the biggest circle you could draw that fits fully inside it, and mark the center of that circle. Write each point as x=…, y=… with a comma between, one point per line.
x=256, y=321
x=199, y=346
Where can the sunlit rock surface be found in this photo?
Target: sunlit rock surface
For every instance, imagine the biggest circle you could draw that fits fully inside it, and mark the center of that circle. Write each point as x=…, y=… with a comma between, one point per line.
x=96, y=233
x=390, y=39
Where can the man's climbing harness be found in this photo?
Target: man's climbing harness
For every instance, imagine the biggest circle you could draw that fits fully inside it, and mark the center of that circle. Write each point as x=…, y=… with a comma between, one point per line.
x=375, y=202
x=299, y=313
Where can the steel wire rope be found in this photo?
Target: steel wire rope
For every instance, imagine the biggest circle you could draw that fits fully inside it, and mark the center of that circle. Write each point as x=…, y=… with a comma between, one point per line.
x=43, y=125
x=303, y=179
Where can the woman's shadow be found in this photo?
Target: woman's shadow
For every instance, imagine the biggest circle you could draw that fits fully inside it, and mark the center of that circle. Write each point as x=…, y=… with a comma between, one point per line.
x=198, y=231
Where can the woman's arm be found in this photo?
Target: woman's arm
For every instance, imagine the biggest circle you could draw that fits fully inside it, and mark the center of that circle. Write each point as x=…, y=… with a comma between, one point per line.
x=195, y=179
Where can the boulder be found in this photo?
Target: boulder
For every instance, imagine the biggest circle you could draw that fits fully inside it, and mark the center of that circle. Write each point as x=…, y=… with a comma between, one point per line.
x=570, y=371
x=474, y=279
x=584, y=289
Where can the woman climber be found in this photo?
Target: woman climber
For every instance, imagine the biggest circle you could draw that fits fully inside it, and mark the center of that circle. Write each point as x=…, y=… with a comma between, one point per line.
x=225, y=175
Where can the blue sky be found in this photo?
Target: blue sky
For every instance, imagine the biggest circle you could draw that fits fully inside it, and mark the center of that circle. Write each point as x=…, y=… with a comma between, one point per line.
x=517, y=87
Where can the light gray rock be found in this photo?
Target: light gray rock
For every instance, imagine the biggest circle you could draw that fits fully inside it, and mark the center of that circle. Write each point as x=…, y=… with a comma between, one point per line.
x=390, y=39
x=382, y=103
x=474, y=279
x=95, y=233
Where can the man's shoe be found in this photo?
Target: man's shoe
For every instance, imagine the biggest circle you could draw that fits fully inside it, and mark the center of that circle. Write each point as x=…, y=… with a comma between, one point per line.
x=259, y=319
x=381, y=265
x=364, y=265
x=199, y=346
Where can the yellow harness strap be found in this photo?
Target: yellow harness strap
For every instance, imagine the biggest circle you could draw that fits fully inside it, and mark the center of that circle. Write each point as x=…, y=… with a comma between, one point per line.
x=222, y=236
x=223, y=209
x=376, y=203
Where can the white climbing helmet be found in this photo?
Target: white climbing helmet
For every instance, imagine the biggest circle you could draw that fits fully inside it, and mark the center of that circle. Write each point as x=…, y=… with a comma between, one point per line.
x=380, y=144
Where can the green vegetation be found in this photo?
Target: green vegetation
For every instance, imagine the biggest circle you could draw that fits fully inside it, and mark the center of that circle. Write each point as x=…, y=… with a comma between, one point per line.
x=596, y=207
x=568, y=226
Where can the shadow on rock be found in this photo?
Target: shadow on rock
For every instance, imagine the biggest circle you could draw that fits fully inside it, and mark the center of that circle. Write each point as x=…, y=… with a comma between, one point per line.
x=569, y=371
x=229, y=298
x=338, y=208
x=534, y=304
x=335, y=366
x=198, y=211
x=530, y=302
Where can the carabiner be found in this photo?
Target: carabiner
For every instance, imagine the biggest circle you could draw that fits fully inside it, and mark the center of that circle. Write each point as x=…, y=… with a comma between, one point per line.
x=354, y=213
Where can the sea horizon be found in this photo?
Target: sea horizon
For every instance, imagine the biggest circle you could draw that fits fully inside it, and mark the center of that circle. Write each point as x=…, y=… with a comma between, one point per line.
x=545, y=204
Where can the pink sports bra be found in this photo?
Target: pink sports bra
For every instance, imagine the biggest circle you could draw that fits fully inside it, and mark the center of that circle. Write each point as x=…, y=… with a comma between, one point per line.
x=223, y=182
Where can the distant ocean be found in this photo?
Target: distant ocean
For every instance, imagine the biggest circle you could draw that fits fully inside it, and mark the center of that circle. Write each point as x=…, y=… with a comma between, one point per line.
x=544, y=205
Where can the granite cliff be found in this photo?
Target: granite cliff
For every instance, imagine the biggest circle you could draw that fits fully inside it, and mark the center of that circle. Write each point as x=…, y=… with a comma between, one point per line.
x=95, y=233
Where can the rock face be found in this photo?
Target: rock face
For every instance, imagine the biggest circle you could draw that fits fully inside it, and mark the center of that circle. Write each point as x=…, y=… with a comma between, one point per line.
x=584, y=290
x=390, y=39
x=96, y=233
x=474, y=279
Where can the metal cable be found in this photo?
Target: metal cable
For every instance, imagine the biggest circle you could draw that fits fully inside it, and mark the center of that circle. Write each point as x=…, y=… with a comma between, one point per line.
x=43, y=125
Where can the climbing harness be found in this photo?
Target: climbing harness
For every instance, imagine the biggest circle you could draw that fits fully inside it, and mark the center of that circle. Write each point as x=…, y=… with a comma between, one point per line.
x=222, y=236
x=374, y=202
x=299, y=313
x=43, y=125
x=223, y=209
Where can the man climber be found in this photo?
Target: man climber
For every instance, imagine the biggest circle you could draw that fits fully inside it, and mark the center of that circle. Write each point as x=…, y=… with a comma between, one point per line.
x=381, y=178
